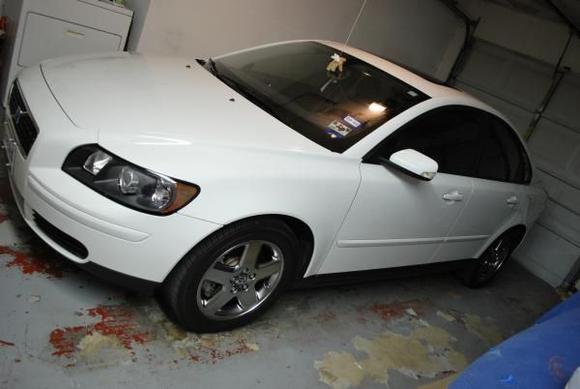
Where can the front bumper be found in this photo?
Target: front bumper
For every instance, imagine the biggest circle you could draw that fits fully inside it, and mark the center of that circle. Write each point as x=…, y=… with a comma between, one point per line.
x=118, y=240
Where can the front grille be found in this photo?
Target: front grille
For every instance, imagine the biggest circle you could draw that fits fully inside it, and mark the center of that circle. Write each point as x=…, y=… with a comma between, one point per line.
x=66, y=241
x=26, y=130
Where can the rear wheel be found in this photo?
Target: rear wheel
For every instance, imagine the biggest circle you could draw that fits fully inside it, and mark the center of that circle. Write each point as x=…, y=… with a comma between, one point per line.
x=232, y=277
x=492, y=261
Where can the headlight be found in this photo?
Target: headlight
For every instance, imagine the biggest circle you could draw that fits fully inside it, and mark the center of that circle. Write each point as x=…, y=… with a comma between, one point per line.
x=126, y=183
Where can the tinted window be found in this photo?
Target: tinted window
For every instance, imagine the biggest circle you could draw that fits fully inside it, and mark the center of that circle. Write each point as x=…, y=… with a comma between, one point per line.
x=493, y=164
x=449, y=136
x=333, y=109
x=511, y=163
x=464, y=141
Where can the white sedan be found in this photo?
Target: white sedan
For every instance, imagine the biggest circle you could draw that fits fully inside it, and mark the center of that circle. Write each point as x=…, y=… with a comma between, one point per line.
x=222, y=182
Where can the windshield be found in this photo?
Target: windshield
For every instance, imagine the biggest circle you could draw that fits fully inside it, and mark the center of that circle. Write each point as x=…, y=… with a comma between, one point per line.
x=332, y=108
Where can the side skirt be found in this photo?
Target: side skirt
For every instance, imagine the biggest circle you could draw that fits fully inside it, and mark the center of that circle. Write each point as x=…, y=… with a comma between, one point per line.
x=358, y=277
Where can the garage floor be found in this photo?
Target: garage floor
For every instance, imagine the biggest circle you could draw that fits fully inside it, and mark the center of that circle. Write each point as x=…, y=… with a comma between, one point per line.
x=60, y=327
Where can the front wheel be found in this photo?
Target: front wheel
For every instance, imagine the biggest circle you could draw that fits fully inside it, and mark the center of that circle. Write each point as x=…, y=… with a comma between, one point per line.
x=233, y=276
x=491, y=262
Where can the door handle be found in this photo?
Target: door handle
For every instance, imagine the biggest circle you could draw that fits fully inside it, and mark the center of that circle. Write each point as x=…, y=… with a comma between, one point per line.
x=453, y=196
x=512, y=201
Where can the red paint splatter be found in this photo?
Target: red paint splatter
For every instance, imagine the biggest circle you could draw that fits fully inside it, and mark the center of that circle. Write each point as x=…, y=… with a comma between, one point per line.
x=5, y=343
x=397, y=310
x=119, y=321
x=3, y=217
x=116, y=320
x=30, y=264
x=64, y=340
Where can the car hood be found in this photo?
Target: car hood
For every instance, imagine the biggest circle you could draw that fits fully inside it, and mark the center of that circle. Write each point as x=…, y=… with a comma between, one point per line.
x=134, y=99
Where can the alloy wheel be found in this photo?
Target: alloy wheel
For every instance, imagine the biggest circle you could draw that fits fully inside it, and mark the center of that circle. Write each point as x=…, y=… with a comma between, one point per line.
x=240, y=280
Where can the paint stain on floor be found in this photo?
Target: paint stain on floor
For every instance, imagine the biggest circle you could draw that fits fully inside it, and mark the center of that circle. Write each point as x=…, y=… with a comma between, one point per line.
x=29, y=264
x=397, y=310
x=426, y=352
x=125, y=333
x=117, y=328
x=205, y=348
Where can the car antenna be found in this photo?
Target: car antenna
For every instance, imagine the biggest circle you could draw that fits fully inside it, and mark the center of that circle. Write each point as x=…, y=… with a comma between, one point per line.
x=336, y=66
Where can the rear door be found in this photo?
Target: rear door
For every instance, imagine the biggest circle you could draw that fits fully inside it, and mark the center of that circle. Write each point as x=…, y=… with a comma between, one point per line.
x=503, y=167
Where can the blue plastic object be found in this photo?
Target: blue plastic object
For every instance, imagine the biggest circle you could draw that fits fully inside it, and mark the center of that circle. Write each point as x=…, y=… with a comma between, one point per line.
x=542, y=356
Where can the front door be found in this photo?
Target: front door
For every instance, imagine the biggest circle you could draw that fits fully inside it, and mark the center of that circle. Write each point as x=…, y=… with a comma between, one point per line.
x=399, y=220
x=396, y=220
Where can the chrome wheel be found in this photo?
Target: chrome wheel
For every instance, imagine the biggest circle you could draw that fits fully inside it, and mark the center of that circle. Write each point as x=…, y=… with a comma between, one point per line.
x=494, y=259
x=240, y=280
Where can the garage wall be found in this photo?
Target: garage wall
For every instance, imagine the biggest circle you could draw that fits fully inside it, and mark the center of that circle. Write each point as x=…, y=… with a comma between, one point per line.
x=422, y=34
x=511, y=66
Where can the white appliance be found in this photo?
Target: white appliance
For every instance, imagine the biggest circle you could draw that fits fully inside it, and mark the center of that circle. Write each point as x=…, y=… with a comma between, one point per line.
x=42, y=29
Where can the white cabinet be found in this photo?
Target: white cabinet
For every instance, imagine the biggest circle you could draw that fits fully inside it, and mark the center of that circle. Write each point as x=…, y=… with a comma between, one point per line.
x=42, y=29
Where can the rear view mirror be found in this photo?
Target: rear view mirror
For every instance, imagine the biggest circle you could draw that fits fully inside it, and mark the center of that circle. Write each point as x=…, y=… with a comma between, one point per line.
x=416, y=163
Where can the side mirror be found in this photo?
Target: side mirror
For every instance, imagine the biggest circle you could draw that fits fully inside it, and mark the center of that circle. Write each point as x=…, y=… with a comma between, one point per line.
x=417, y=164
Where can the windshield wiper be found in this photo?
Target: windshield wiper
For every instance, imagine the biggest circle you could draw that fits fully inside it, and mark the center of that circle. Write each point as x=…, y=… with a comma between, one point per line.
x=251, y=96
x=235, y=85
x=212, y=67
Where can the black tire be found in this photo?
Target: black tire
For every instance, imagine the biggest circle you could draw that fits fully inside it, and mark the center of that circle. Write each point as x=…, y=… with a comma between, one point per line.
x=180, y=290
x=489, y=265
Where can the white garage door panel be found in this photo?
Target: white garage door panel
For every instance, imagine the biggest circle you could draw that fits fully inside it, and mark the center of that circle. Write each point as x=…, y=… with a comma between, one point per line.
x=547, y=255
x=556, y=152
x=46, y=37
x=562, y=193
x=522, y=32
x=507, y=75
x=519, y=117
x=561, y=221
x=565, y=105
x=556, y=148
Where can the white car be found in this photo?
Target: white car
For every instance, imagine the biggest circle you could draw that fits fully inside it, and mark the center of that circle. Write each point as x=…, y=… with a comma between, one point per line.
x=222, y=182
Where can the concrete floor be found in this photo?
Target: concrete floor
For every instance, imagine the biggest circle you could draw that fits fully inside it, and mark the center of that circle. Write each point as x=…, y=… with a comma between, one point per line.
x=60, y=327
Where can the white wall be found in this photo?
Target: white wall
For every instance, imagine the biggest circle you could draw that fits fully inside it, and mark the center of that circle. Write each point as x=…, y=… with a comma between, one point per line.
x=423, y=34
x=199, y=28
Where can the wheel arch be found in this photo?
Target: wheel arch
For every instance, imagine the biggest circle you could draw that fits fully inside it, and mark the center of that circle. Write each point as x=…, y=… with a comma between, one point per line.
x=519, y=231
x=301, y=229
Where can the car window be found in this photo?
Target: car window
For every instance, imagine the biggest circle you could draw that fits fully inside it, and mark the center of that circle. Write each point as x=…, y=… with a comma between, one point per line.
x=449, y=136
x=291, y=82
x=493, y=163
x=512, y=163
x=464, y=141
